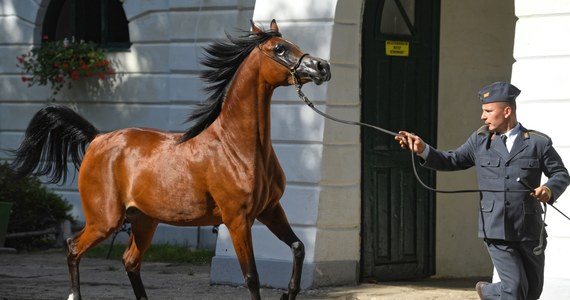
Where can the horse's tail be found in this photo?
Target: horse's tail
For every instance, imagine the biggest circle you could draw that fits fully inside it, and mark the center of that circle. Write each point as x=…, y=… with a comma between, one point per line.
x=54, y=134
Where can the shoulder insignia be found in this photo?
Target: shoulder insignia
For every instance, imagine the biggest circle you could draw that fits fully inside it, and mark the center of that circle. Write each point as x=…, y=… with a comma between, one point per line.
x=483, y=130
x=537, y=133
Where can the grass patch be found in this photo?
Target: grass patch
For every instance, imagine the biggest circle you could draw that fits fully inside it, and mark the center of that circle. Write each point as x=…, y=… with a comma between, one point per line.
x=157, y=253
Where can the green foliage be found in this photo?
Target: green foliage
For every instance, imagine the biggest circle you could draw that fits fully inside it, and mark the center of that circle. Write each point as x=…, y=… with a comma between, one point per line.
x=34, y=208
x=157, y=253
x=57, y=63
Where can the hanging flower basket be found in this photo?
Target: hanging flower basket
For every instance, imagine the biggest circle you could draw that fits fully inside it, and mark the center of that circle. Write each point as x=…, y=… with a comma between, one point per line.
x=60, y=63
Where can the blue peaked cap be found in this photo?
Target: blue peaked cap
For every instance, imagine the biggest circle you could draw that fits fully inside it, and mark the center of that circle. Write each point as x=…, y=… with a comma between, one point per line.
x=499, y=92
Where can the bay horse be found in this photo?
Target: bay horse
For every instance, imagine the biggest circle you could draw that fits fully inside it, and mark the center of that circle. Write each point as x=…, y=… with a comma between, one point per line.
x=222, y=170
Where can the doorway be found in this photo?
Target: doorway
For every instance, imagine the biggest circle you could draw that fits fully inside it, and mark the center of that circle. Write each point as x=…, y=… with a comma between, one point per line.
x=400, y=41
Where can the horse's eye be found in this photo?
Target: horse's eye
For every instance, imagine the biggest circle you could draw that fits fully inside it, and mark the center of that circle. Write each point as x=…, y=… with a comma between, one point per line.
x=280, y=49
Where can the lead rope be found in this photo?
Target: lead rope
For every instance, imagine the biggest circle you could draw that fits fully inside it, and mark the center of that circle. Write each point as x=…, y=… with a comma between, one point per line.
x=312, y=106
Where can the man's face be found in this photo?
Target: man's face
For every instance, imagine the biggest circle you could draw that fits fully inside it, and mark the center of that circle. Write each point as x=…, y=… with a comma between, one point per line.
x=495, y=116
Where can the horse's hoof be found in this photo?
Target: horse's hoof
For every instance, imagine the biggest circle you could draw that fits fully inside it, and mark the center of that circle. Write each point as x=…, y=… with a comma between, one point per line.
x=73, y=296
x=285, y=296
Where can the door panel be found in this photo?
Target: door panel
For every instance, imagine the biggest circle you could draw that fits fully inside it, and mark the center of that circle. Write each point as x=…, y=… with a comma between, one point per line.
x=399, y=93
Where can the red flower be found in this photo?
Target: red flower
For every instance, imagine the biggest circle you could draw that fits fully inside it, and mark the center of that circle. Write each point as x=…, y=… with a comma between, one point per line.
x=43, y=65
x=74, y=75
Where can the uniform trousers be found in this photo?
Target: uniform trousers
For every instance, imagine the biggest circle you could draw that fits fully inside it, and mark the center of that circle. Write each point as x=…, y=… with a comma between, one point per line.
x=520, y=270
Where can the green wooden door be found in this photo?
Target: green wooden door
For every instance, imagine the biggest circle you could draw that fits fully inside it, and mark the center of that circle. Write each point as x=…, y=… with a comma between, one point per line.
x=399, y=90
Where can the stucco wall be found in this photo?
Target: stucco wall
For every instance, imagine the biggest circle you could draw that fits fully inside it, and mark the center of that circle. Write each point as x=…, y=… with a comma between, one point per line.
x=476, y=49
x=542, y=53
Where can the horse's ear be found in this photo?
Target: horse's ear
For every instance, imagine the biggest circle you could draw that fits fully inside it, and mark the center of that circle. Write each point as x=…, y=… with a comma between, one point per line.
x=274, y=27
x=254, y=28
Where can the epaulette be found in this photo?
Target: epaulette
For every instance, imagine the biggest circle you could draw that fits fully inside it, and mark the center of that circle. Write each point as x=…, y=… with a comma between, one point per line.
x=536, y=133
x=483, y=130
x=483, y=133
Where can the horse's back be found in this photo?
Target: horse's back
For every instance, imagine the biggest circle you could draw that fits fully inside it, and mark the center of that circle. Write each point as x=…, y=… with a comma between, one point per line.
x=115, y=152
x=114, y=161
x=147, y=169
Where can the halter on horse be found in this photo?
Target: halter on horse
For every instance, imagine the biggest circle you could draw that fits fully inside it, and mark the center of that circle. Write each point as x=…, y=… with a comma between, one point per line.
x=222, y=170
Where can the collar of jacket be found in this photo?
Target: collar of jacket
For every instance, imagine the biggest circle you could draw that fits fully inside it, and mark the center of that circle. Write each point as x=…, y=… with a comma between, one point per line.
x=484, y=130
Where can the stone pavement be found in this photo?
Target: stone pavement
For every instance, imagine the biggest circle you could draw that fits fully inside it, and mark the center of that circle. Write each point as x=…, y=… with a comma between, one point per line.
x=44, y=275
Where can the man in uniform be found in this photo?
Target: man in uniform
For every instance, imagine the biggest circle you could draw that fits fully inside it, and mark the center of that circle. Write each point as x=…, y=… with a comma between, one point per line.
x=510, y=223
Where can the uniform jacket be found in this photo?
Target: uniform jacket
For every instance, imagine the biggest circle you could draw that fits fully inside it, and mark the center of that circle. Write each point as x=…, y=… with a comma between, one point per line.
x=510, y=216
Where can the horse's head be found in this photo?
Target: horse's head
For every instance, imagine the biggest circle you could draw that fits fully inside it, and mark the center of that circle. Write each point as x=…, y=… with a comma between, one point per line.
x=288, y=63
x=280, y=62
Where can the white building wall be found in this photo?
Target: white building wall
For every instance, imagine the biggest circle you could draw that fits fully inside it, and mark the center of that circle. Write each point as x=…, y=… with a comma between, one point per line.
x=542, y=53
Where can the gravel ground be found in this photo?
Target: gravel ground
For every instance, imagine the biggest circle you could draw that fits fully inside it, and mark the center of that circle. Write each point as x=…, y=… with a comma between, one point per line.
x=43, y=275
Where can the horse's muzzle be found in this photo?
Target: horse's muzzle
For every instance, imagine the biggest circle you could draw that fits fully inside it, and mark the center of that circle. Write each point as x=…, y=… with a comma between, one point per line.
x=314, y=69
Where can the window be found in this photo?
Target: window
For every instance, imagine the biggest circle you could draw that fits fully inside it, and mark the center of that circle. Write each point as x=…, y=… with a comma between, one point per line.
x=398, y=17
x=99, y=21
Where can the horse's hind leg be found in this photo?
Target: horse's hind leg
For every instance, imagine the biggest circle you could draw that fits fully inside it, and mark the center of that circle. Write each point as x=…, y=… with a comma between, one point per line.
x=76, y=246
x=276, y=221
x=142, y=231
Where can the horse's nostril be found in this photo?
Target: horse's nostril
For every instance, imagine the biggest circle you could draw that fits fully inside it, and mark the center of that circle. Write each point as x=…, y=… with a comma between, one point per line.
x=323, y=67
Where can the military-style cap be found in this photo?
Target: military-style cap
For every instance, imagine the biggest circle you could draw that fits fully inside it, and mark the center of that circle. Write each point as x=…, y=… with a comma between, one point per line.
x=499, y=92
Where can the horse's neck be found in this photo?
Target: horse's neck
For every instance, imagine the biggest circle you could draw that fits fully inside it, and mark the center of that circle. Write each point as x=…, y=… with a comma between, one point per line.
x=246, y=111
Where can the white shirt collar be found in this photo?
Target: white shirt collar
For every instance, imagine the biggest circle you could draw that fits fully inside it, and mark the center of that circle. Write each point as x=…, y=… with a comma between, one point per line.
x=513, y=132
x=511, y=136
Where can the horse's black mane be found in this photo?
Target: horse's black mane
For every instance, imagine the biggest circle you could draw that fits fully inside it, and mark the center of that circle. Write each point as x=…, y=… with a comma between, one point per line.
x=223, y=59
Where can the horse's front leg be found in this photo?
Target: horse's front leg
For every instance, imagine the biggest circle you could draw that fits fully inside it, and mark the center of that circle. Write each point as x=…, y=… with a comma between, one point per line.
x=240, y=232
x=277, y=222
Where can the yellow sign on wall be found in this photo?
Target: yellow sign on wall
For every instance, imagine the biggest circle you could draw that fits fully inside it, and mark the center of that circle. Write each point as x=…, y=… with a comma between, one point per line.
x=397, y=48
